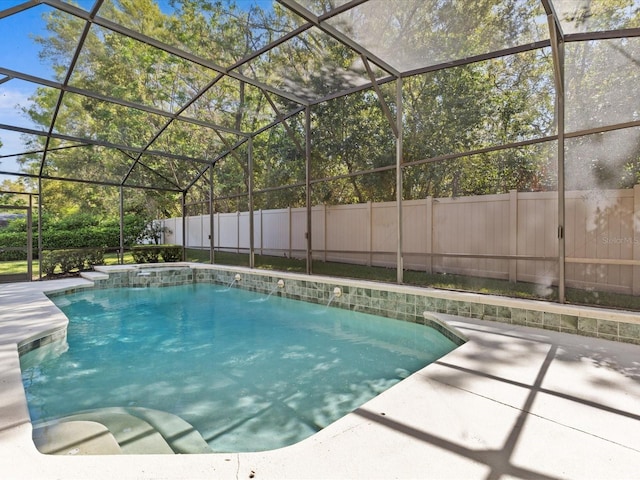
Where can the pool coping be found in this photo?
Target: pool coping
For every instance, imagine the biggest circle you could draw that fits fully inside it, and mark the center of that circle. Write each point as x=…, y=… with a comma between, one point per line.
x=403, y=432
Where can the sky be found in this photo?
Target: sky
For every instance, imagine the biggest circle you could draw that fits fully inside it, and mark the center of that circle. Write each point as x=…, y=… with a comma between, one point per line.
x=19, y=52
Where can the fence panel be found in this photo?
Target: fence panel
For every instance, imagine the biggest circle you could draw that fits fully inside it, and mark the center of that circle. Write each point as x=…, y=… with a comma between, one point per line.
x=227, y=231
x=196, y=233
x=473, y=226
x=244, y=243
x=454, y=235
x=346, y=230
x=537, y=236
x=169, y=235
x=318, y=232
x=600, y=239
x=298, y=240
x=384, y=234
x=416, y=234
x=275, y=231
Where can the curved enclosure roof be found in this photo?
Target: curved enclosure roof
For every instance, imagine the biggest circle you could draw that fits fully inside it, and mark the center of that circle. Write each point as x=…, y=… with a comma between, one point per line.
x=139, y=88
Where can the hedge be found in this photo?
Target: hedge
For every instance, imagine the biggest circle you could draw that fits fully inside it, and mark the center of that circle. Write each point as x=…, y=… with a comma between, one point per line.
x=171, y=253
x=151, y=253
x=96, y=237
x=86, y=237
x=80, y=231
x=70, y=260
x=14, y=240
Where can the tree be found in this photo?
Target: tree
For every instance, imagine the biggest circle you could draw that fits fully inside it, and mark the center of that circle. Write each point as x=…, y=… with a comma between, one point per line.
x=601, y=90
x=13, y=199
x=350, y=135
x=474, y=107
x=446, y=112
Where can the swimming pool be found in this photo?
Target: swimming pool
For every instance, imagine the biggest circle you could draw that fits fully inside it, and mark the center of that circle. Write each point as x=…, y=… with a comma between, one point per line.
x=249, y=373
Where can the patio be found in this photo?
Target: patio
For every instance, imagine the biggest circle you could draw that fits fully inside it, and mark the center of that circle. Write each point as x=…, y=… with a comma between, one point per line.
x=513, y=402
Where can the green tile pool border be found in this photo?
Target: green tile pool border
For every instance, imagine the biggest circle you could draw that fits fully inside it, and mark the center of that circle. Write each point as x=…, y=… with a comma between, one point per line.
x=57, y=335
x=411, y=304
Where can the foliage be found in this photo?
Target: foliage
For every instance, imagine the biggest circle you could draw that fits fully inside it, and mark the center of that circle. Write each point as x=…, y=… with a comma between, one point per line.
x=145, y=253
x=152, y=232
x=351, y=135
x=474, y=107
x=48, y=263
x=53, y=238
x=152, y=253
x=93, y=257
x=446, y=113
x=76, y=232
x=449, y=111
x=16, y=225
x=601, y=90
x=12, y=240
x=15, y=186
x=171, y=253
x=77, y=221
x=70, y=260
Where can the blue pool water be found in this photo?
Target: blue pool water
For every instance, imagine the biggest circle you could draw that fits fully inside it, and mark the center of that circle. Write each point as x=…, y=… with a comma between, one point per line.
x=248, y=374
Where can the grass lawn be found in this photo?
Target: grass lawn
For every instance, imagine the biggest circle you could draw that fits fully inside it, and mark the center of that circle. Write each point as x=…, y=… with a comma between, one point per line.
x=381, y=274
x=16, y=267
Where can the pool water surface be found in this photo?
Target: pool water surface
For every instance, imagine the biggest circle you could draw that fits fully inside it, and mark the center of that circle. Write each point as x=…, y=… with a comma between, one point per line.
x=250, y=373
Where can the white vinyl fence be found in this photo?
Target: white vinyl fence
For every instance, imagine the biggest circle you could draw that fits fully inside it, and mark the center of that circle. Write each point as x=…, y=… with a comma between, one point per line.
x=511, y=236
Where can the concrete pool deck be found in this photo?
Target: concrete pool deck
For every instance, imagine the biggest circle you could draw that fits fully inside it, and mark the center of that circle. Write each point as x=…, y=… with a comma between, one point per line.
x=513, y=402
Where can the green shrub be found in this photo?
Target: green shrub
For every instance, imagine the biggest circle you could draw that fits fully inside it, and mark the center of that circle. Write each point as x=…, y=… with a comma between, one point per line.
x=95, y=257
x=48, y=263
x=12, y=240
x=77, y=221
x=74, y=232
x=16, y=225
x=171, y=253
x=71, y=260
x=145, y=253
x=81, y=238
x=151, y=253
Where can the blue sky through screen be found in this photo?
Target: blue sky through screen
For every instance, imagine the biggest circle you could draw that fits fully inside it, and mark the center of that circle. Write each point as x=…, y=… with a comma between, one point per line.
x=20, y=53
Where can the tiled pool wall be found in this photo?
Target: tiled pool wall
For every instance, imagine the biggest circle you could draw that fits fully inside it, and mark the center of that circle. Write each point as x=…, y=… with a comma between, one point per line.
x=403, y=303
x=55, y=336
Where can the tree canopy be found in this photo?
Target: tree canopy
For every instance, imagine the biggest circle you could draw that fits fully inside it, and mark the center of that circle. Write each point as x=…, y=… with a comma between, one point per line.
x=155, y=120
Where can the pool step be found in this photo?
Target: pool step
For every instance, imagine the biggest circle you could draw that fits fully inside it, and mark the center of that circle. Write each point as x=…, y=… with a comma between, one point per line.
x=134, y=435
x=134, y=430
x=179, y=434
x=75, y=438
